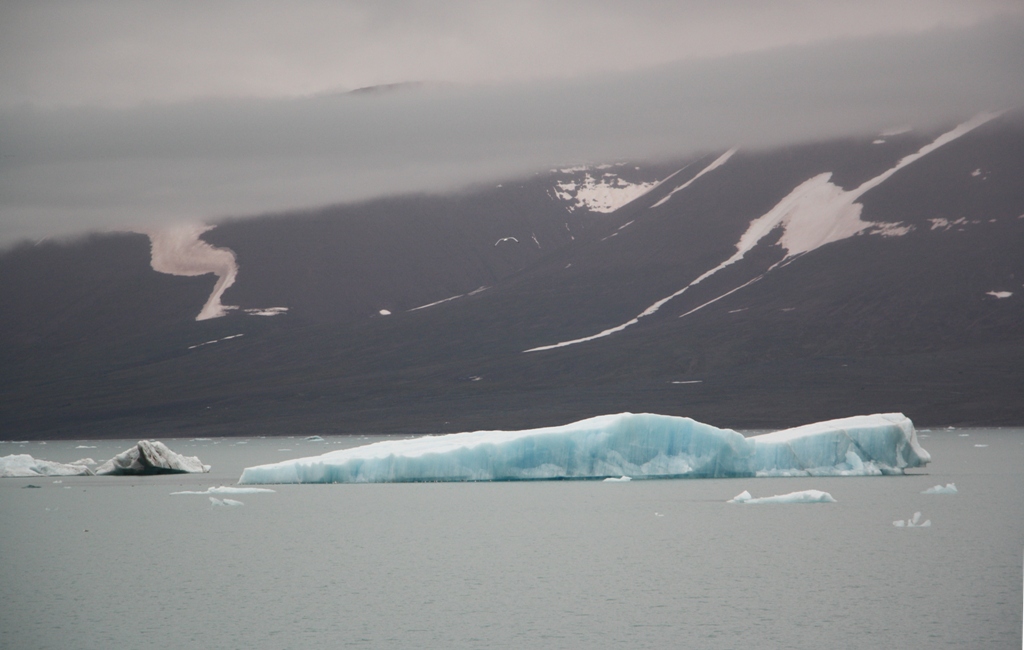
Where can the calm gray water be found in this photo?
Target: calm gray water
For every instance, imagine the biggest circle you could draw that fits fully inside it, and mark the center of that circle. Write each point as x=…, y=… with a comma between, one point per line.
x=103, y=562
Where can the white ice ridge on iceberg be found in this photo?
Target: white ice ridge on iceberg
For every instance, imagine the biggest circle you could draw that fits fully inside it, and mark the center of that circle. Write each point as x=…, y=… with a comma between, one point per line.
x=803, y=496
x=815, y=213
x=178, y=250
x=630, y=445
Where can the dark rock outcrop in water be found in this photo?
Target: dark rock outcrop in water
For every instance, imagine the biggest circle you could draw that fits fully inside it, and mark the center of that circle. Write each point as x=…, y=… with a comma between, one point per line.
x=151, y=457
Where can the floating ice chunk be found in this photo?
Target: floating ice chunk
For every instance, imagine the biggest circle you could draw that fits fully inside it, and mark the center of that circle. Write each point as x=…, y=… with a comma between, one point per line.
x=22, y=465
x=85, y=447
x=225, y=502
x=226, y=489
x=981, y=445
x=913, y=522
x=803, y=496
x=621, y=479
x=636, y=445
x=950, y=488
x=384, y=312
x=999, y=295
x=151, y=457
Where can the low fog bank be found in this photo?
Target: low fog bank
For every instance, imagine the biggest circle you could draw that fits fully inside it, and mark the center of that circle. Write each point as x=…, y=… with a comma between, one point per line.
x=71, y=170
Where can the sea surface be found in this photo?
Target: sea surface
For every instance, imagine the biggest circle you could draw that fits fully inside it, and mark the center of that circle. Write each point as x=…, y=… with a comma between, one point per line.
x=118, y=562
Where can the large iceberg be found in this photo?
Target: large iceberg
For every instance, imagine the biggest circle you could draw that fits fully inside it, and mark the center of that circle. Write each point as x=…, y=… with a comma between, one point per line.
x=151, y=457
x=22, y=465
x=631, y=445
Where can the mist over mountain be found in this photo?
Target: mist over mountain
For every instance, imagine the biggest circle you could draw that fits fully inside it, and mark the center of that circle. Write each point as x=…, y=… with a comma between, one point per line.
x=743, y=287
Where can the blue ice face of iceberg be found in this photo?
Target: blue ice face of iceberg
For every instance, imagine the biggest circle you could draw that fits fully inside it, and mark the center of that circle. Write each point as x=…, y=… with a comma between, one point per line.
x=624, y=445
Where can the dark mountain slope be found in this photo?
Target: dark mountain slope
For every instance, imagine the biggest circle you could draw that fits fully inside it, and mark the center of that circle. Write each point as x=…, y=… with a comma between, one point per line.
x=928, y=320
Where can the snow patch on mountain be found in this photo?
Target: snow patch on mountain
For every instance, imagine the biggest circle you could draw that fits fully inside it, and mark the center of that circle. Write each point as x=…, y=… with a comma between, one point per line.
x=267, y=311
x=817, y=212
x=718, y=162
x=178, y=250
x=605, y=193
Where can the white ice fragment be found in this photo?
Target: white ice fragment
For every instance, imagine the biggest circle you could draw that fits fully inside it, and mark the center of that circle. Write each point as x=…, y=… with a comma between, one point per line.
x=151, y=457
x=636, y=445
x=998, y=295
x=950, y=488
x=621, y=479
x=803, y=496
x=981, y=445
x=225, y=502
x=226, y=489
x=85, y=447
x=976, y=172
x=24, y=465
x=384, y=312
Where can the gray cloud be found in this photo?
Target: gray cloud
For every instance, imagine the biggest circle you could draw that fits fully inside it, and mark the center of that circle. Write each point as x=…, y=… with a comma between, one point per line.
x=124, y=52
x=71, y=169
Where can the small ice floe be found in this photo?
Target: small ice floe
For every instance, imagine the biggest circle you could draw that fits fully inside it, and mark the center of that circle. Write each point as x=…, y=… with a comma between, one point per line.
x=224, y=502
x=803, y=496
x=226, y=489
x=913, y=522
x=58, y=481
x=658, y=514
x=24, y=465
x=949, y=488
x=384, y=312
x=981, y=445
x=999, y=295
x=621, y=479
x=313, y=439
x=85, y=447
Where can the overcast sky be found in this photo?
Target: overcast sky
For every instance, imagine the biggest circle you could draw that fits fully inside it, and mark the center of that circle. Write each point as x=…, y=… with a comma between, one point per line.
x=128, y=114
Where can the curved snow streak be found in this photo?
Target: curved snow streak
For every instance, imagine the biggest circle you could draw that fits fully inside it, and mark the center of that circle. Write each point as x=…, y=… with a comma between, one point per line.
x=178, y=250
x=815, y=213
x=721, y=160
